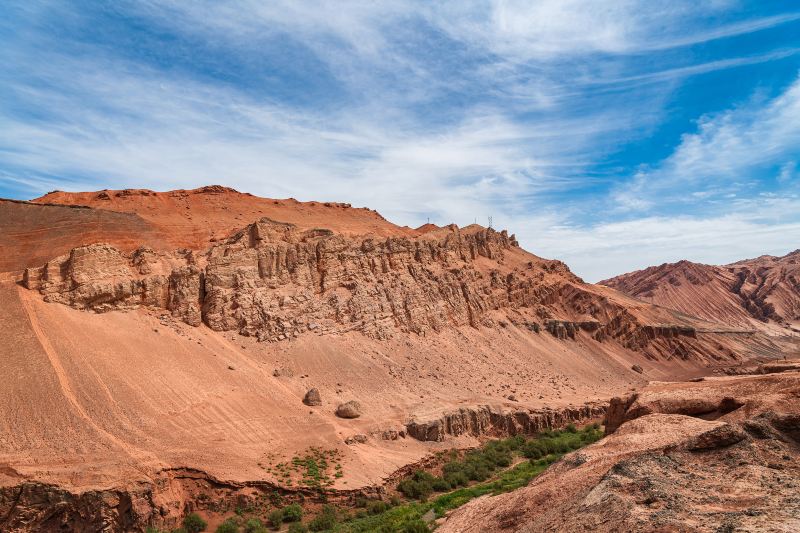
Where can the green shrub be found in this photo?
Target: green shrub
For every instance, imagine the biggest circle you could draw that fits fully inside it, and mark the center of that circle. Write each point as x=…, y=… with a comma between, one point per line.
x=228, y=526
x=417, y=526
x=452, y=467
x=416, y=489
x=516, y=442
x=377, y=507
x=476, y=471
x=441, y=485
x=253, y=525
x=423, y=476
x=533, y=449
x=297, y=527
x=325, y=520
x=571, y=428
x=292, y=513
x=193, y=523
x=275, y=518
x=457, y=479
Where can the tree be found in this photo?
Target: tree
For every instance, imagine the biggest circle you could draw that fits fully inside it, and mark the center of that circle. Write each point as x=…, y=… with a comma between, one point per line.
x=193, y=523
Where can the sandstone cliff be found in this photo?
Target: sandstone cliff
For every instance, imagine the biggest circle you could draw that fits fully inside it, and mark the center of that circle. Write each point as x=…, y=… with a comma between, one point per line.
x=275, y=281
x=488, y=420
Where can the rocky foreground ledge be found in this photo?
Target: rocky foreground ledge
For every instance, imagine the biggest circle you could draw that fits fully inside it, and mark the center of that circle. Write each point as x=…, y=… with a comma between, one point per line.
x=715, y=454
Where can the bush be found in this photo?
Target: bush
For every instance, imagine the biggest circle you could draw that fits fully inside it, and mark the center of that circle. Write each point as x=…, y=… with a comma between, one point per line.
x=571, y=428
x=452, y=467
x=476, y=471
x=292, y=513
x=297, y=527
x=533, y=449
x=325, y=520
x=516, y=442
x=423, y=476
x=228, y=526
x=441, y=485
x=457, y=479
x=377, y=507
x=193, y=523
x=417, y=526
x=253, y=525
x=275, y=518
x=418, y=490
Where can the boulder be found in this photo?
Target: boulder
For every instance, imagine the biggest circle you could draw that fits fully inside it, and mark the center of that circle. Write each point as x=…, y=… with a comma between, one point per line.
x=356, y=439
x=719, y=437
x=351, y=409
x=312, y=398
x=637, y=369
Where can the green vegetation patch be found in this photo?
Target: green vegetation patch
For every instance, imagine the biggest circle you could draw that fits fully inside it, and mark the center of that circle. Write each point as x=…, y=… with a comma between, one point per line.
x=475, y=473
x=316, y=468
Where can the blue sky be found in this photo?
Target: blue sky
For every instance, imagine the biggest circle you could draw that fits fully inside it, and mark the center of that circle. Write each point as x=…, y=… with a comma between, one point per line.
x=611, y=135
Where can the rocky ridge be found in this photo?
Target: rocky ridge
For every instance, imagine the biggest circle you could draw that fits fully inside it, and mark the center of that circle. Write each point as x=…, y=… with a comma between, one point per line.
x=274, y=281
x=750, y=293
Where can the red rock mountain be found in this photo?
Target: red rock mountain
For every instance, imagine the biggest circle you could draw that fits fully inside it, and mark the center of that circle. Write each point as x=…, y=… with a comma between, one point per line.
x=160, y=345
x=761, y=293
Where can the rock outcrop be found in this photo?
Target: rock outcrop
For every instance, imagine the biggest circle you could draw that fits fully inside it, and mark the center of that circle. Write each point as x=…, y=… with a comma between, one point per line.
x=35, y=506
x=275, y=282
x=312, y=398
x=659, y=471
x=351, y=409
x=485, y=420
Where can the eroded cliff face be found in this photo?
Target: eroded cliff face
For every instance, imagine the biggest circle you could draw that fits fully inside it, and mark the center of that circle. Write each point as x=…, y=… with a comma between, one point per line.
x=274, y=281
x=485, y=420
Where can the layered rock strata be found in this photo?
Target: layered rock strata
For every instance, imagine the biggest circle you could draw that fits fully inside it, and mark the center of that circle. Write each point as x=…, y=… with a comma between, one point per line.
x=274, y=282
x=495, y=421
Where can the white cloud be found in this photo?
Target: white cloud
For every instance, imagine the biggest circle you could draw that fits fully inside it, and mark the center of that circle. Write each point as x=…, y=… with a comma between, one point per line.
x=770, y=226
x=788, y=172
x=726, y=151
x=530, y=133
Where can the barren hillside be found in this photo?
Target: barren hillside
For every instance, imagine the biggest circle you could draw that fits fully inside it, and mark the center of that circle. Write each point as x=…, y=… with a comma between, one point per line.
x=762, y=292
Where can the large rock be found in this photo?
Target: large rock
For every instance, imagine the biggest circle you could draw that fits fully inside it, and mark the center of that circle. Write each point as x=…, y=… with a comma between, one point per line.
x=312, y=398
x=718, y=437
x=351, y=409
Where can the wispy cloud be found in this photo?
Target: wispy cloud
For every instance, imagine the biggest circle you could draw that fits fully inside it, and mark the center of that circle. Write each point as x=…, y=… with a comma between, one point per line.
x=458, y=110
x=727, y=149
